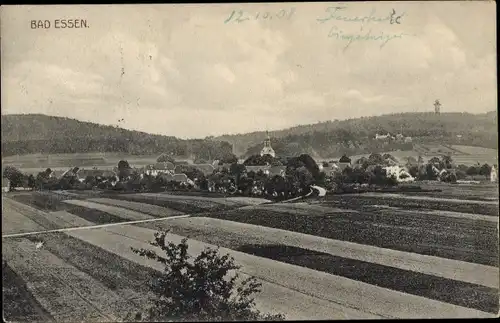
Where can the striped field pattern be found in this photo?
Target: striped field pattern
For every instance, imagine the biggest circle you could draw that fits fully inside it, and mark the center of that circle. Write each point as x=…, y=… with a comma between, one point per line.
x=346, y=257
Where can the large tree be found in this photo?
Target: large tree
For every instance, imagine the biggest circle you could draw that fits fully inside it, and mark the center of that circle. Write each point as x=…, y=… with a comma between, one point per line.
x=258, y=160
x=229, y=159
x=165, y=158
x=14, y=175
x=124, y=170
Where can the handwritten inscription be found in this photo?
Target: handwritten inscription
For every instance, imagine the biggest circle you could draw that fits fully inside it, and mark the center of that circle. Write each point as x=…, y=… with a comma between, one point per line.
x=334, y=13
x=381, y=37
x=238, y=16
x=338, y=15
x=59, y=24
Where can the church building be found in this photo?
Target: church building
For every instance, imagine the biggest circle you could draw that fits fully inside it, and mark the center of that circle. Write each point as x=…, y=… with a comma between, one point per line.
x=267, y=149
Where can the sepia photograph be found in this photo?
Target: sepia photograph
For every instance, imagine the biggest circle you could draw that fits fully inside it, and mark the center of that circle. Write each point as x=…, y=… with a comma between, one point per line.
x=249, y=161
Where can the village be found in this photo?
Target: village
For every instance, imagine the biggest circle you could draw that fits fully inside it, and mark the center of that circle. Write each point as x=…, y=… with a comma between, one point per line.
x=260, y=175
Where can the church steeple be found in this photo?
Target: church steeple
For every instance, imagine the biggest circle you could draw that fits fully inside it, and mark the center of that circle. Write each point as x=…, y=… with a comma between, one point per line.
x=267, y=149
x=267, y=141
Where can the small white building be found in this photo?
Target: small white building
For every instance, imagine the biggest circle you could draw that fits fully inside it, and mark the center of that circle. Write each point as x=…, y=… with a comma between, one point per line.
x=382, y=137
x=493, y=174
x=159, y=168
x=5, y=185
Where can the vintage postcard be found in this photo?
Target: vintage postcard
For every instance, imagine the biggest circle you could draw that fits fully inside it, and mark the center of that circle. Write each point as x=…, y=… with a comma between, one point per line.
x=241, y=162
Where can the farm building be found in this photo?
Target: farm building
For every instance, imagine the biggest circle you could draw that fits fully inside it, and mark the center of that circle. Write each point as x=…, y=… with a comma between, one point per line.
x=5, y=184
x=159, y=168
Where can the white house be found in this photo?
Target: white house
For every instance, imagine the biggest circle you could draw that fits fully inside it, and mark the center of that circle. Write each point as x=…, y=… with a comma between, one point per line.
x=493, y=174
x=382, y=137
x=5, y=184
x=400, y=173
x=159, y=168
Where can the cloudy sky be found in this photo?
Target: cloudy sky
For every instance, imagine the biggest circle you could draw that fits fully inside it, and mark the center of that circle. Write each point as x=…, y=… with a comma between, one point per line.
x=185, y=70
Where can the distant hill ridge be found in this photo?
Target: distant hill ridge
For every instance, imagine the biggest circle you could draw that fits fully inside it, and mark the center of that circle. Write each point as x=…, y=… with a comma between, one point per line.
x=356, y=136
x=37, y=133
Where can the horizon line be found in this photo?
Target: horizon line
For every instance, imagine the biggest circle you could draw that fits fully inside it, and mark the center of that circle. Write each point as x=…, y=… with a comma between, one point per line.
x=245, y=133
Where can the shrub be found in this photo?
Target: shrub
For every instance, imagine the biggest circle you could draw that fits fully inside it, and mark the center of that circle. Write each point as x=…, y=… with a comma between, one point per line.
x=461, y=174
x=198, y=290
x=485, y=170
x=473, y=170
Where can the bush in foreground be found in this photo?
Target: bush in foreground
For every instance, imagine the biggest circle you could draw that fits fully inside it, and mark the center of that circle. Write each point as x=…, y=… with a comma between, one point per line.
x=199, y=289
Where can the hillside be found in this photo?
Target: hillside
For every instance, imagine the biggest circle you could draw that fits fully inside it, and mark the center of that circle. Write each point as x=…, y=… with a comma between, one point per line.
x=36, y=133
x=32, y=134
x=355, y=136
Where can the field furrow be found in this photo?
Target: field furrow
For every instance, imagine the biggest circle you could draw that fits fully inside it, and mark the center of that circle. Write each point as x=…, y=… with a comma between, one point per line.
x=351, y=293
x=154, y=210
x=427, y=240
x=59, y=287
x=113, y=210
x=254, y=234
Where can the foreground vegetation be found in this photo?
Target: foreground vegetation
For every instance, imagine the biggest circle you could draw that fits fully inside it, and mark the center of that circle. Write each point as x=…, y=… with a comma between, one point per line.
x=199, y=290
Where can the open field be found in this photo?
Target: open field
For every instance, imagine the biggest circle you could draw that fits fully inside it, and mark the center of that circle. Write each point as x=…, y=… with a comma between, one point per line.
x=466, y=155
x=33, y=164
x=348, y=256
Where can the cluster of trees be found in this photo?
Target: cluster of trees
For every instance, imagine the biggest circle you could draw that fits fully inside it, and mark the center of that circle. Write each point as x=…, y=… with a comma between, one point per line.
x=358, y=175
x=301, y=172
x=444, y=170
x=18, y=178
x=462, y=171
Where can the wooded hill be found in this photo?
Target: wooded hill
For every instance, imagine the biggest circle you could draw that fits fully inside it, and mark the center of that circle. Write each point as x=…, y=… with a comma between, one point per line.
x=37, y=133
x=356, y=136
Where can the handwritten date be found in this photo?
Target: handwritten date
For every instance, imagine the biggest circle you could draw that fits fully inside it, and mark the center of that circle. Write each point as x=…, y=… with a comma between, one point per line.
x=238, y=16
